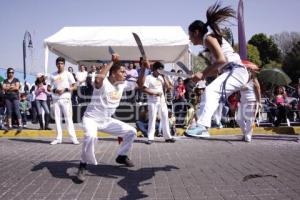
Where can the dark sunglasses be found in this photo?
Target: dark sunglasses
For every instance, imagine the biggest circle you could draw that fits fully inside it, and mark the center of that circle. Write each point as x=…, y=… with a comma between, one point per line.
x=10, y=72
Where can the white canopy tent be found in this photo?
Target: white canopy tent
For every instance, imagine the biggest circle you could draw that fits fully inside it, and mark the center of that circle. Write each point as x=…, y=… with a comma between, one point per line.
x=79, y=44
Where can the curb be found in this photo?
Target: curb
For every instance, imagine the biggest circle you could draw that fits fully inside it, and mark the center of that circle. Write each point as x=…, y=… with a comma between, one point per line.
x=213, y=131
x=258, y=130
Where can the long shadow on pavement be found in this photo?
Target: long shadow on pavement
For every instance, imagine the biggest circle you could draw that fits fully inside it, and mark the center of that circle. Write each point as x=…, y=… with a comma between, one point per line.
x=275, y=137
x=48, y=142
x=30, y=140
x=217, y=139
x=255, y=137
x=130, y=182
x=137, y=140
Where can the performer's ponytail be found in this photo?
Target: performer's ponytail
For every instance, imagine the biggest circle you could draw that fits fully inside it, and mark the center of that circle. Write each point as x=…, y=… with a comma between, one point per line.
x=215, y=15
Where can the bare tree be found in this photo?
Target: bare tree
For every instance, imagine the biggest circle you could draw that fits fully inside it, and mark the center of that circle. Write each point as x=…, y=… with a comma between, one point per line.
x=286, y=41
x=227, y=34
x=200, y=62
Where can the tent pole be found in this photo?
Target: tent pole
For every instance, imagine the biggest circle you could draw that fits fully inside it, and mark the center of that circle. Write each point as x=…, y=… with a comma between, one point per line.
x=46, y=59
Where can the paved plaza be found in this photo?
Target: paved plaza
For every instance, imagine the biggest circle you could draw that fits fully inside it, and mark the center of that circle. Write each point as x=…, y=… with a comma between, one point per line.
x=220, y=168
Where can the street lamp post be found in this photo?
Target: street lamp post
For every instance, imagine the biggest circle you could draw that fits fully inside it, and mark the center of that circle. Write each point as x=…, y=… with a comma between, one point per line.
x=27, y=36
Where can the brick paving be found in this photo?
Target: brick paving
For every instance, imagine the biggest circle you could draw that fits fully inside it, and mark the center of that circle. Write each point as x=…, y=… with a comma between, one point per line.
x=222, y=168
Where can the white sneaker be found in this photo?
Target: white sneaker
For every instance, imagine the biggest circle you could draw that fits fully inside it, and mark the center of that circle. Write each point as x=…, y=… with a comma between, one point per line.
x=55, y=142
x=288, y=122
x=75, y=141
x=204, y=134
x=198, y=131
x=247, y=137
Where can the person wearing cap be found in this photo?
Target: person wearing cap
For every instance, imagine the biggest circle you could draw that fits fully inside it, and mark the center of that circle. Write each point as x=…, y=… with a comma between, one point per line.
x=11, y=87
x=191, y=118
x=41, y=94
x=62, y=83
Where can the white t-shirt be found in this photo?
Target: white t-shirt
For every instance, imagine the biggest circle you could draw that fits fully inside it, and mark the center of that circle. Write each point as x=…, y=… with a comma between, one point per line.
x=155, y=84
x=81, y=76
x=228, y=51
x=93, y=75
x=105, y=100
x=61, y=81
x=248, y=92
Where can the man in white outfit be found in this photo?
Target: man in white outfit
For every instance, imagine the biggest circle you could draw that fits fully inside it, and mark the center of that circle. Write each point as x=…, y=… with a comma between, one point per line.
x=154, y=85
x=106, y=98
x=63, y=83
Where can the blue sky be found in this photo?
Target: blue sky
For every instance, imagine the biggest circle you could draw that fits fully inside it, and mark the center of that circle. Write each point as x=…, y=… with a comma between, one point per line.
x=43, y=18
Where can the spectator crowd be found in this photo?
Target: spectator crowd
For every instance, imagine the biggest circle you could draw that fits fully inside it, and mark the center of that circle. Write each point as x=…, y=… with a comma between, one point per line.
x=20, y=103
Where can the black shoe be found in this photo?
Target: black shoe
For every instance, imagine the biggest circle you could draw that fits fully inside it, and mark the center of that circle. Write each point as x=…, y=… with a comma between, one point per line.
x=149, y=142
x=123, y=159
x=40, y=120
x=159, y=135
x=47, y=120
x=172, y=140
x=81, y=172
x=120, y=140
x=19, y=129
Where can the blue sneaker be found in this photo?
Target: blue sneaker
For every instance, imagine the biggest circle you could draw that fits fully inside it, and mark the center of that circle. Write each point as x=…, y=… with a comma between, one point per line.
x=199, y=131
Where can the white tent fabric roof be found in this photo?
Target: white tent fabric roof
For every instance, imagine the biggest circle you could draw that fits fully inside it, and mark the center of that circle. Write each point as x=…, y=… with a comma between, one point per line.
x=76, y=44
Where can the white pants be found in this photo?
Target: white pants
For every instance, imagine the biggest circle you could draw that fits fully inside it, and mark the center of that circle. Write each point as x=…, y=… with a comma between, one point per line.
x=153, y=109
x=217, y=116
x=64, y=106
x=210, y=98
x=246, y=117
x=111, y=126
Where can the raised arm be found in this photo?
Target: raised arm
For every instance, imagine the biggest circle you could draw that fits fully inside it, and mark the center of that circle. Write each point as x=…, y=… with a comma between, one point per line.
x=141, y=78
x=101, y=76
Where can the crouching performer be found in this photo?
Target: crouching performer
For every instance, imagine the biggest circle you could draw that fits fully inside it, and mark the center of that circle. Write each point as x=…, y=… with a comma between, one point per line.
x=97, y=117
